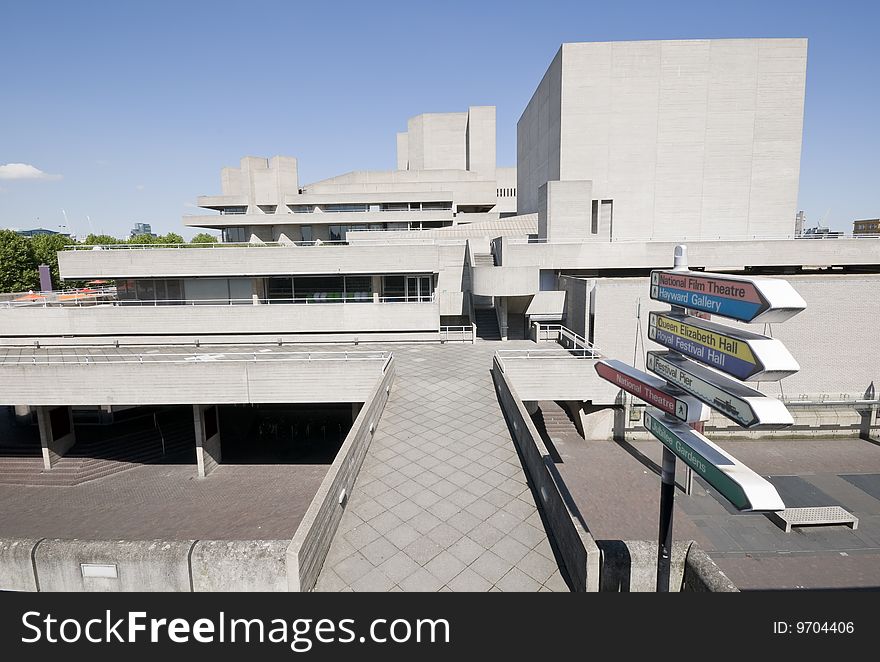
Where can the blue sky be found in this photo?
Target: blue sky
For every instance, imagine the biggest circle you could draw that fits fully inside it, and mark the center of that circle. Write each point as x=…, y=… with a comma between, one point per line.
x=132, y=108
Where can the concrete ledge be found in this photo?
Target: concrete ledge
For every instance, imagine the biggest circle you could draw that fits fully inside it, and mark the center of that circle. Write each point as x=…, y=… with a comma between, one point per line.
x=579, y=552
x=311, y=542
x=701, y=574
x=239, y=565
x=630, y=566
x=16, y=564
x=113, y=565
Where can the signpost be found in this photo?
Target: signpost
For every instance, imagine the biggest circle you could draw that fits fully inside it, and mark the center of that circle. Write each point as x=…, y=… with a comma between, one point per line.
x=652, y=390
x=742, y=354
x=688, y=386
x=733, y=480
x=743, y=405
x=736, y=297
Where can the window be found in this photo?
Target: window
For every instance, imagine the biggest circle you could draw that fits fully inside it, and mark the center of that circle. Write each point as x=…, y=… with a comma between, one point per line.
x=319, y=288
x=359, y=288
x=306, y=231
x=393, y=287
x=345, y=207
x=594, y=221
x=337, y=232
x=395, y=206
x=436, y=206
x=302, y=209
x=279, y=290
x=233, y=210
x=268, y=209
x=235, y=235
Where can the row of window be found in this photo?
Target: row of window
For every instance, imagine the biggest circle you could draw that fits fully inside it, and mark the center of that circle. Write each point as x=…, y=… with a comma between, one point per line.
x=506, y=193
x=241, y=234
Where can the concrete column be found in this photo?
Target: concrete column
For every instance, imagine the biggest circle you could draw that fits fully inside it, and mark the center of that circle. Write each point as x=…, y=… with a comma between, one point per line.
x=207, y=423
x=501, y=314
x=56, y=433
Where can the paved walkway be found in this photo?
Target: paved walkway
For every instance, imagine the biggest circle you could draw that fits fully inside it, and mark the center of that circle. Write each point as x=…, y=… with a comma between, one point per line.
x=441, y=502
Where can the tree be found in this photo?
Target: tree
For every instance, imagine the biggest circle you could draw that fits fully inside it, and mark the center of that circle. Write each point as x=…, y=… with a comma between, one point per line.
x=18, y=268
x=170, y=238
x=45, y=249
x=102, y=240
x=204, y=238
x=143, y=239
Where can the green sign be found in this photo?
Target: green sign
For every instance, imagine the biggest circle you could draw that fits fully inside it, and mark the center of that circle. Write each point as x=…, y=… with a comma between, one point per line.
x=744, y=488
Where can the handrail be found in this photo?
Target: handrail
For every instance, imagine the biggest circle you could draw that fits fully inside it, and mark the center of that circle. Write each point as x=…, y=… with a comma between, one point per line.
x=629, y=240
x=388, y=241
x=465, y=331
x=198, y=357
x=369, y=298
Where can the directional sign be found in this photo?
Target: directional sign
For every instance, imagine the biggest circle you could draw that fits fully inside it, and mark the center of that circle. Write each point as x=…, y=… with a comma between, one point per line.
x=652, y=390
x=733, y=480
x=741, y=354
x=743, y=405
x=737, y=297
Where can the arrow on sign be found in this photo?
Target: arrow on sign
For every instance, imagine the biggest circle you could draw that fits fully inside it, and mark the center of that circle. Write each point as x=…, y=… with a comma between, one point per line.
x=741, y=354
x=738, y=297
x=733, y=480
x=652, y=390
x=743, y=405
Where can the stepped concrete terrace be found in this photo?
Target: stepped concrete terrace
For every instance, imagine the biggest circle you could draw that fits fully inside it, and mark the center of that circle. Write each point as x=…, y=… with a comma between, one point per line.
x=442, y=502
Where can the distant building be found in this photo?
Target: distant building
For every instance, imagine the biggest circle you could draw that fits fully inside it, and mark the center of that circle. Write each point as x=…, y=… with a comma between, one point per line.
x=867, y=227
x=142, y=228
x=37, y=232
x=799, y=221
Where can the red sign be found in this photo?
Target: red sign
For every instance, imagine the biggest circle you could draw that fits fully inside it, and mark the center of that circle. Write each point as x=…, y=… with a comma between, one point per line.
x=644, y=388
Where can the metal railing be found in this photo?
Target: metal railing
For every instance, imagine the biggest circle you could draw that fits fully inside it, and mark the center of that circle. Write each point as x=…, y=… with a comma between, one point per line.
x=49, y=303
x=68, y=297
x=565, y=337
x=634, y=240
x=389, y=241
x=463, y=333
x=50, y=358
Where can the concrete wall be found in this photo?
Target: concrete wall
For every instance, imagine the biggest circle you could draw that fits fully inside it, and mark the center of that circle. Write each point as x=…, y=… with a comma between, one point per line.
x=313, y=537
x=138, y=565
x=565, y=211
x=142, y=565
x=689, y=138
x=206, y=320
x=712, y=255
x=538, y=139
x=574, y=542
x=16, y=564
x=239, y=565
x=577, y=303
x=831, y=339
x=268, y=261
x=188, y=382
x=630, y=566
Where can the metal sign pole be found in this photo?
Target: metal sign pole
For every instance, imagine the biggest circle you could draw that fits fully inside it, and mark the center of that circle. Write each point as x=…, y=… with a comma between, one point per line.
x=667, y=501
x=667, y=475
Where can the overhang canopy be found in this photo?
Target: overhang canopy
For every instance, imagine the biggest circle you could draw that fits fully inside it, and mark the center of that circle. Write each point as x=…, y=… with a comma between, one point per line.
x=547, y=306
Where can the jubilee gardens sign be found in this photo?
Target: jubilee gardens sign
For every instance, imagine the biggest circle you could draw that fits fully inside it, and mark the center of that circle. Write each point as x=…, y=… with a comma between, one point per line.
x=684, y=392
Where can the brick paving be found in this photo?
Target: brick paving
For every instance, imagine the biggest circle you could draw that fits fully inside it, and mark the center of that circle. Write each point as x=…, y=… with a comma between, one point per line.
x=442, y=503
x=236, y=502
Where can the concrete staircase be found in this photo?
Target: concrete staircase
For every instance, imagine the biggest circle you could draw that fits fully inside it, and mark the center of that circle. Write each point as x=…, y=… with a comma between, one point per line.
x=484, y=260
x=487, y=324
x=100, y=453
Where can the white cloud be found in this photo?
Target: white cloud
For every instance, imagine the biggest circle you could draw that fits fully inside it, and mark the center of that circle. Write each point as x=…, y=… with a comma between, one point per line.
x=24, y=171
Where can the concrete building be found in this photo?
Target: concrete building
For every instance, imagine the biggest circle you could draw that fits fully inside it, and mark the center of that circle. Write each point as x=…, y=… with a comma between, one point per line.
x=869, y=227
x=140, y=229
x=625, y=150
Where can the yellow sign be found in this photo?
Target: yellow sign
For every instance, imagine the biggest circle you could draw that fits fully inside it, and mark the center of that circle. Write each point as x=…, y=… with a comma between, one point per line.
x=726, y=344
